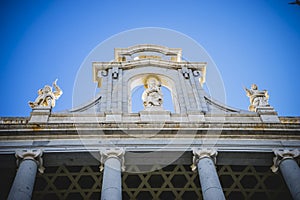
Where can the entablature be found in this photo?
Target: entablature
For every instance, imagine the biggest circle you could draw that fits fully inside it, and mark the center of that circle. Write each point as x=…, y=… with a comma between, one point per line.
x=76, y=158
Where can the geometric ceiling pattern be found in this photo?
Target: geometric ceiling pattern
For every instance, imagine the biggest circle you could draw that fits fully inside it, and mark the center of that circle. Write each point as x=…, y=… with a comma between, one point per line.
x=72, y=182
x=252, y=182
x=171, y=182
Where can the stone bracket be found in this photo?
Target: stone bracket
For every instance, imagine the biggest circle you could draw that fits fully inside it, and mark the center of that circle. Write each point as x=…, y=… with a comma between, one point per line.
x=100, y=73
x=185, y=72
x=201, y=75
x=31, y=154
x=281, y=155
x=115, y=72
x=197, y=73
x=203, y=153
x=117, y=153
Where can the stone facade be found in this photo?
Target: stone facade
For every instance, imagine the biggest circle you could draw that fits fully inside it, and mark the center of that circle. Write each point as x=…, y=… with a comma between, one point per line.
x=228, y=146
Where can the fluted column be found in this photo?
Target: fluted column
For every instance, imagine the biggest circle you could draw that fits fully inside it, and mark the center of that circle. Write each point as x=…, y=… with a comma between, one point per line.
x=113, y=161
x=204, y=160
x=285, y=161
x=28, y=161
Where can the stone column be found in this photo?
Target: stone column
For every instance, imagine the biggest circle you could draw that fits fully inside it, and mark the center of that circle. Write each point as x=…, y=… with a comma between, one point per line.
x=284, y=160
x=204, y=160
x=28, y=162
x=113, y=161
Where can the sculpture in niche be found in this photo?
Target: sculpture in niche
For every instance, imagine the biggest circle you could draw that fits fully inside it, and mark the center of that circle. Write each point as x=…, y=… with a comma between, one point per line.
x=152, y=96
x=257, y=98
x=46, y=97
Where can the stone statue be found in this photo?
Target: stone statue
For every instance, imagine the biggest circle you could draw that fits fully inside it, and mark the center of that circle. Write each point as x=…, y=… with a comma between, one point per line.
x=257, y=98
x=46, y=97
x=152, y=96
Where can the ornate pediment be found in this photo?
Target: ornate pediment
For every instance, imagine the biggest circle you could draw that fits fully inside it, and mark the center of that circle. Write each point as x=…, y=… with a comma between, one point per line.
x=131, y=69
x=124, y=54
x=148, y=56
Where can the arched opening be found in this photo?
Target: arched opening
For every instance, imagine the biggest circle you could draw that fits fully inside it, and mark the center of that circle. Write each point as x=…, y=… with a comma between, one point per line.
x=136, y=89
x=137, y=103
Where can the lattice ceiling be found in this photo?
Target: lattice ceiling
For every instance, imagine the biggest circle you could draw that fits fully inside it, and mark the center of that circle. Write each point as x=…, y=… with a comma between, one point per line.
x=171, y=182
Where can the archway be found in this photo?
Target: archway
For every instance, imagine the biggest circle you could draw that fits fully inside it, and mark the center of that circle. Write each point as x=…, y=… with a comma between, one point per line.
x=136, y=88
x=137, y=103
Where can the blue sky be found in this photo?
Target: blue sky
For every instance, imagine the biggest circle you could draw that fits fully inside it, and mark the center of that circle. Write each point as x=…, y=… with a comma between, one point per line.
x=250, y=41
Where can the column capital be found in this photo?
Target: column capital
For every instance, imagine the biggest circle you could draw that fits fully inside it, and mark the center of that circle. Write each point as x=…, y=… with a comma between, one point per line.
x=117, y=153
x=200, y=153
x=281, y=155
x=31, y=154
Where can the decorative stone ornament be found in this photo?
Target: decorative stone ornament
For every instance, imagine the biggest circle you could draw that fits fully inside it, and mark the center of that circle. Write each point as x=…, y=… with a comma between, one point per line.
x=117, y=153
x=281, y=155
x=203, y=153
x=115, y=72
x=46, y=96
x=31, y=154
x=118, y=80
x=185, y=72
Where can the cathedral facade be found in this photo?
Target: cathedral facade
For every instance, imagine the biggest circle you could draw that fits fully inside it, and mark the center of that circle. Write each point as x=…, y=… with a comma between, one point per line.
x=202, y=149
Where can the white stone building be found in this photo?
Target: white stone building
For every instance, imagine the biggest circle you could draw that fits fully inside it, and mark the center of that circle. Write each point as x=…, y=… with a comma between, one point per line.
x=201, y=150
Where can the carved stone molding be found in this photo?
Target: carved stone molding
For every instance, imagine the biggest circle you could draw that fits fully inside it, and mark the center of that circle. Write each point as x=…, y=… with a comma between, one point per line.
x=115, y=72
x=197, y=73
x=185, y=72
x=281, y=155
x=31, y=154
x=117, y=153
x=102, y=73
x=203, y=153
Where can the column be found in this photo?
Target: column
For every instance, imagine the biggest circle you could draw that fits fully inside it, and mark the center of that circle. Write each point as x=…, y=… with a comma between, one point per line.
x=285, y=161
x=28, y=162
x=205, y=159
x=113, y=161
